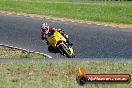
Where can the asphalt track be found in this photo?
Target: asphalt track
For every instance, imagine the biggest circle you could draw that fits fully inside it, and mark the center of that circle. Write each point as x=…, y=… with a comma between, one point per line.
x=89, y=40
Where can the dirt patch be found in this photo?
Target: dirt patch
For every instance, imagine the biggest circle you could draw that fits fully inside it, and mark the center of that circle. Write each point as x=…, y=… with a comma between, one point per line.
x=9, y=52
x=6, y=52
x=71, y=20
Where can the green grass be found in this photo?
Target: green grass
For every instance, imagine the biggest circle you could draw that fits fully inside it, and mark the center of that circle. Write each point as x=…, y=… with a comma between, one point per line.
x=6, y=52
x=59, y=74
x=117, y=12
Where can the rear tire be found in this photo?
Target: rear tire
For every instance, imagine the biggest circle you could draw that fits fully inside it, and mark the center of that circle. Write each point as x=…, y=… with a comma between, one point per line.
x=65, y=51
x=51, y=49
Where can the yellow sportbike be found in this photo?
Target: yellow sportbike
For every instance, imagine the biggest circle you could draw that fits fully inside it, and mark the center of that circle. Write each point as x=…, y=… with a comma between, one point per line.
x=59, y=43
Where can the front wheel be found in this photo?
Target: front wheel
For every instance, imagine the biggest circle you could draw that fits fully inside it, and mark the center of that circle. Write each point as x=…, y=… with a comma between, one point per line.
x=64, y=49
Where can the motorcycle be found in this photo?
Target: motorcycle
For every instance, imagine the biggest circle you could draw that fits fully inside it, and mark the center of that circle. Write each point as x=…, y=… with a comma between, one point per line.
x=59, y=43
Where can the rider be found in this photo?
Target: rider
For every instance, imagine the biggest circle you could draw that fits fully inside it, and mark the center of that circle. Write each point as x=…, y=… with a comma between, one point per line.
x=46, y=30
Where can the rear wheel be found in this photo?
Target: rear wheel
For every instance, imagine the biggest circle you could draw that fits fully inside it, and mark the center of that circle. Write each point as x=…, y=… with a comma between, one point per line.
x=65, y=51
x=51, y=49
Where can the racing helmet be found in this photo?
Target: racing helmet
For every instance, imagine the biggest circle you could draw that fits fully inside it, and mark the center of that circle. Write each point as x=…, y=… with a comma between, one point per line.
x=45, y=28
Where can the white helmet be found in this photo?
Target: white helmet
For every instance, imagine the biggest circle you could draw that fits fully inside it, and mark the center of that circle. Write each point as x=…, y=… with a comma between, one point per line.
x=45, y=28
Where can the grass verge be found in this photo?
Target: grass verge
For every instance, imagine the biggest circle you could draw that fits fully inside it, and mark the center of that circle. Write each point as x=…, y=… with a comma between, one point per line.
x=59, y=74
x=117, y=12
x=6, y=52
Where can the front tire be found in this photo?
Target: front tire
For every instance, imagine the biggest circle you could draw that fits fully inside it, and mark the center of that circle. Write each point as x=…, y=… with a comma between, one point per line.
x=65, y=51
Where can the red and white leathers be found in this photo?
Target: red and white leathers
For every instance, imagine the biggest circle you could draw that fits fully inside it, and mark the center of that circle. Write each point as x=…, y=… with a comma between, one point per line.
x=44, y=36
